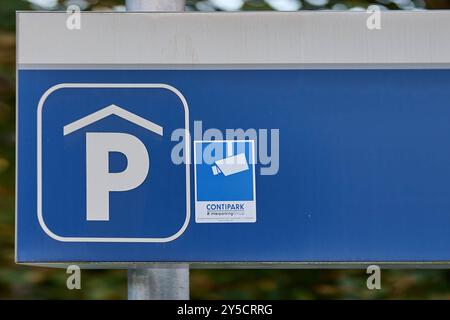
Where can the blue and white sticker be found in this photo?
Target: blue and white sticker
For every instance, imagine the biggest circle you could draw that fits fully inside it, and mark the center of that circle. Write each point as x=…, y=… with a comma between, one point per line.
x=225, y=187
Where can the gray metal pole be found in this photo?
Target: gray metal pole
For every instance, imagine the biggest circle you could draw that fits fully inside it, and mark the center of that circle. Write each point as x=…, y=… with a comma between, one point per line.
x=155, y=5
x=158, y=283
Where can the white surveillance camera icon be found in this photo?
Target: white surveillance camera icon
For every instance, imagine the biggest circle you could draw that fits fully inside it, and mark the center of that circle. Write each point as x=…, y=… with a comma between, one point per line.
x=230, y=165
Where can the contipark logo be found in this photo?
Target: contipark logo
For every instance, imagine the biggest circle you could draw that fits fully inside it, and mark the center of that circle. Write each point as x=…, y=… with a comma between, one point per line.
x=225, y=206
x=225, y=209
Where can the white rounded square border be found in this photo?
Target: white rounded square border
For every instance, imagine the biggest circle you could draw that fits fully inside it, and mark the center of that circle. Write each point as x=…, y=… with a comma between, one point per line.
x=187, y=141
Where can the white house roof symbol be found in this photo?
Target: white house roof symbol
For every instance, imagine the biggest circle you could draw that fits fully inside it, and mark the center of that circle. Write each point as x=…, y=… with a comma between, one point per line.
x=112, y=110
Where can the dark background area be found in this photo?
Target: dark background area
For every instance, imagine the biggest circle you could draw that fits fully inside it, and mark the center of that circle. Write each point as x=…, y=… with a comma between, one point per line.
x=21, y=282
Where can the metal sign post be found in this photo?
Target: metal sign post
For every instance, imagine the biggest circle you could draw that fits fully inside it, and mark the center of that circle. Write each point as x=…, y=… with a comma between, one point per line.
x=155, y=5
x=158, y=283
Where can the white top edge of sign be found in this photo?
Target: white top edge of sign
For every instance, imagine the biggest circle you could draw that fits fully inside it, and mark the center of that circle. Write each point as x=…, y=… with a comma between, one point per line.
x=306, y=39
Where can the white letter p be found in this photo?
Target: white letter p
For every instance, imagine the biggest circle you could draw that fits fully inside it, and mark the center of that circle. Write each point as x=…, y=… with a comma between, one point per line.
x=99, y=181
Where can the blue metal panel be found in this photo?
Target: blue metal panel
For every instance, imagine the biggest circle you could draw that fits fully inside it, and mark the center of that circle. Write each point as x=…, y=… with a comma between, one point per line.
x=364, y=166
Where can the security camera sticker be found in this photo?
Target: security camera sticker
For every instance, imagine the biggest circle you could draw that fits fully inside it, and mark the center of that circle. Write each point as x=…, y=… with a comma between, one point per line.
x=225, y=188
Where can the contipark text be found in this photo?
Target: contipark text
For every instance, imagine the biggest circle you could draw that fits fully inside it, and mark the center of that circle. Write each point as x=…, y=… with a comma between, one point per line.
x=225, y=206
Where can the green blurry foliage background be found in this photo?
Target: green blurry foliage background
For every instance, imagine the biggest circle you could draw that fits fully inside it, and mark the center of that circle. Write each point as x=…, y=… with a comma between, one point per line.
x=22, y=282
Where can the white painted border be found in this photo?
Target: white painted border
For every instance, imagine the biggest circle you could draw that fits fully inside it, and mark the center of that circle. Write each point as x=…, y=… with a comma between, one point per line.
x=252, y=143
x=39, y=161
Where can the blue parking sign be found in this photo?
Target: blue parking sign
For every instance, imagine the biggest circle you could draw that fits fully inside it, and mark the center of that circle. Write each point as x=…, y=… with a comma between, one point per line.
x=101, y=154
x=170, y=142
x=106, y=173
